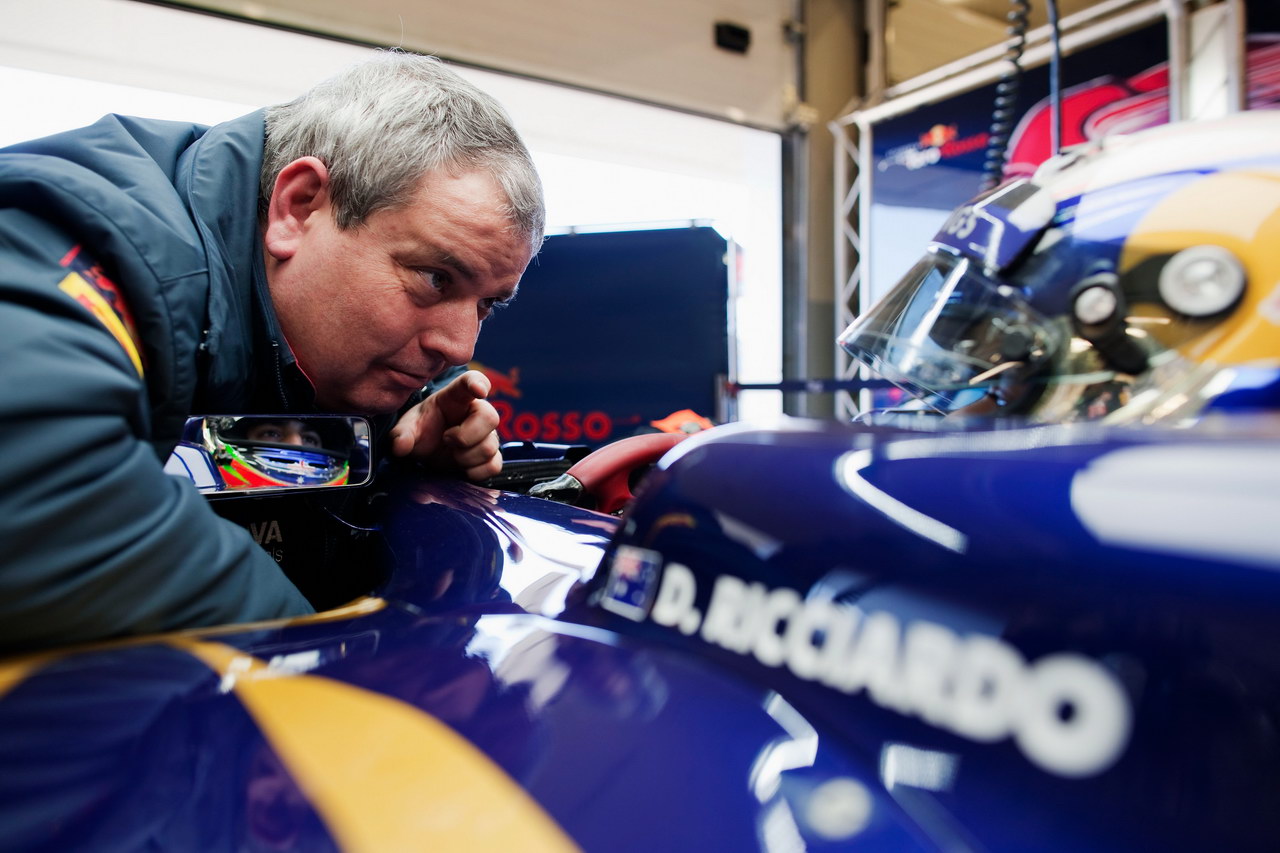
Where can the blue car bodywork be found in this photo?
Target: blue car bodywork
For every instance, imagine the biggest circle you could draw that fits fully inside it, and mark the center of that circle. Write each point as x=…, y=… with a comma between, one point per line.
x=815, y=636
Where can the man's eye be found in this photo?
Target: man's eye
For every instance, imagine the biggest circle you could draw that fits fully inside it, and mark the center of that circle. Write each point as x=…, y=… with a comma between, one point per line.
x=424, y=286
x=432, y=278
x=488, y=306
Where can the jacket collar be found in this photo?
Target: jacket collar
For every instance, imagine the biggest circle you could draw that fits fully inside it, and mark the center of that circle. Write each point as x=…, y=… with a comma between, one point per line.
x=246, y=361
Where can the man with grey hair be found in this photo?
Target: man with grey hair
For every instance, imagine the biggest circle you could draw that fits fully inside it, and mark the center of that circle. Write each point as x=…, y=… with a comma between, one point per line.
x=337, y=253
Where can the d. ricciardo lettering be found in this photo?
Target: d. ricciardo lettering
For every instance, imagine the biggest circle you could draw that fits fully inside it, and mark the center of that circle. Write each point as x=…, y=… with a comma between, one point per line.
x=1066, y=712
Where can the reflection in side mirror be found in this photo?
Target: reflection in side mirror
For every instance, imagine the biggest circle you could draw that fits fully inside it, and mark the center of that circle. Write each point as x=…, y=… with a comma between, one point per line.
x=226, y=455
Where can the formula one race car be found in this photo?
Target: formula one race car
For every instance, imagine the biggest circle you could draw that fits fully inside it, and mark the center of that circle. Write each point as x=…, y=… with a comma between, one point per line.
x=1056, y=630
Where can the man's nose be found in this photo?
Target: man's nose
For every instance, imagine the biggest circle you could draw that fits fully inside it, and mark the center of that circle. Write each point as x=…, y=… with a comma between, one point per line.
x=453, y=335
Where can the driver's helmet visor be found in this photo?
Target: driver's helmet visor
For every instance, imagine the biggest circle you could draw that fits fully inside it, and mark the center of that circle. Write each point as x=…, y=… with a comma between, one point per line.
x=307, y=465
x=950, y=335
x=286, y=465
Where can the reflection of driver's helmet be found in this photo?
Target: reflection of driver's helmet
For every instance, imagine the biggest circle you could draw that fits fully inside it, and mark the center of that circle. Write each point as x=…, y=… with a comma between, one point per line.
x=1135, y=279
x=276, y=451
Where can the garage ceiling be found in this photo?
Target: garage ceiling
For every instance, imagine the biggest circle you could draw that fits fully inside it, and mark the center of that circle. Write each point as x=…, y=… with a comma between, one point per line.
x=922, y=35
x=659, y=51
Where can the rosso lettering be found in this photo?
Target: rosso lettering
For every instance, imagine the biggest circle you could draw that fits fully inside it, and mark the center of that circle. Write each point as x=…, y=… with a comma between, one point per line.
x=551, y=426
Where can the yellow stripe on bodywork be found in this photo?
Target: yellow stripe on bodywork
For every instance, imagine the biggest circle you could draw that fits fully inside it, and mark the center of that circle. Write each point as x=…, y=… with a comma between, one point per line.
x=13, y=673
x=383, y=775
x=17, y=669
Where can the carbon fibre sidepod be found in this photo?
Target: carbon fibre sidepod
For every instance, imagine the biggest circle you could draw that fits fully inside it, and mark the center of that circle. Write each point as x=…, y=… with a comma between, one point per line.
x=1080, y=619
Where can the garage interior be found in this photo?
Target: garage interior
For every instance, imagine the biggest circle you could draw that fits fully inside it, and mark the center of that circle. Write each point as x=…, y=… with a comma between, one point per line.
x=812, y=75
x=835, y=619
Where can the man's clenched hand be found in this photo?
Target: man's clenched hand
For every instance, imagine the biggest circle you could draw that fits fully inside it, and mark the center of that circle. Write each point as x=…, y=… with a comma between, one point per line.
x=453, y=429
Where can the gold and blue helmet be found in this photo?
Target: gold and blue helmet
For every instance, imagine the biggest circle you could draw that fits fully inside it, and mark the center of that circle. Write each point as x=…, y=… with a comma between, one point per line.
x=1133, y=279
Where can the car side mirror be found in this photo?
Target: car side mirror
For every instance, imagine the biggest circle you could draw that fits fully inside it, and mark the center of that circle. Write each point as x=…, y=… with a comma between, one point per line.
x=232, y=455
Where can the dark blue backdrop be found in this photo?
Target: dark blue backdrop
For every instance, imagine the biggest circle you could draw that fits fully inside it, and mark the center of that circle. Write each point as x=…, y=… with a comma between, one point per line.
x=610, y=331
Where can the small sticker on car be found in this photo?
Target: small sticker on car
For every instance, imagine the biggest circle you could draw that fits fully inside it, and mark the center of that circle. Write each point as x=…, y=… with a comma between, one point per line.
x=633, y=576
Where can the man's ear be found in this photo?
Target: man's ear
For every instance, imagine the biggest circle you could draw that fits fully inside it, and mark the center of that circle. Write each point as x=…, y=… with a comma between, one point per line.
x=301, y=192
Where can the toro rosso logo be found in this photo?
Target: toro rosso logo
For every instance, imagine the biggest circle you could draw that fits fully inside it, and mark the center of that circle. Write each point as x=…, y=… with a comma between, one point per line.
x=525, y=425
x=499, y=382
x=1066, y=712
x=940, y=142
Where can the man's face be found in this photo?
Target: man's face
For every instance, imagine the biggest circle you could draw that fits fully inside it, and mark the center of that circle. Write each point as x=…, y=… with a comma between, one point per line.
x=374, y=312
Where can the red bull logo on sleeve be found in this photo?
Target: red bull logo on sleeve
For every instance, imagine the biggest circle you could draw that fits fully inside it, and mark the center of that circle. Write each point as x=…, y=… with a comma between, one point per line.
x=87, y=284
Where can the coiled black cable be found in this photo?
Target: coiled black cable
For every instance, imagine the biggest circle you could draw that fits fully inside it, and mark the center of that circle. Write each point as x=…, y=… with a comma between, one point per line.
x=1002, y=115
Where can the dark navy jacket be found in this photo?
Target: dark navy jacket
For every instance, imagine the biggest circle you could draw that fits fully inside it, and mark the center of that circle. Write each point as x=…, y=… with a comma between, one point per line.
x=132, y=294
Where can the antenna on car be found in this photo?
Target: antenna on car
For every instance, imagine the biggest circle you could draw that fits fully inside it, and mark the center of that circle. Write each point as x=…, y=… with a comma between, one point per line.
x=1055, y=79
